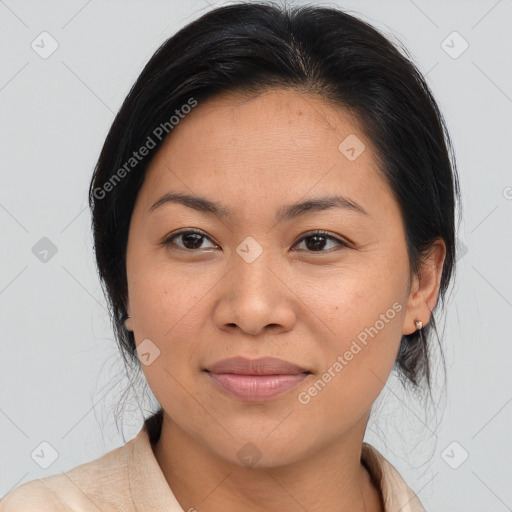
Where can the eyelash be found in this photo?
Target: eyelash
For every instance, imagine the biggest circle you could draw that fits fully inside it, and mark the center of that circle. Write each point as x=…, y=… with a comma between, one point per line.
x=168, y=241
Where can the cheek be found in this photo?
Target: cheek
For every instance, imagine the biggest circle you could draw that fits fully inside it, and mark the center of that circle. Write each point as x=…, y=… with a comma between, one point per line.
x=360, y=319
x=169, y=307
x=357, y=365
x=355, y=300
x=164, y=299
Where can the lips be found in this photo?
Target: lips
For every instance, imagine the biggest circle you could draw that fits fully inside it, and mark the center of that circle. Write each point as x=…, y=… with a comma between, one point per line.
x=255, y=380
x=260, y=366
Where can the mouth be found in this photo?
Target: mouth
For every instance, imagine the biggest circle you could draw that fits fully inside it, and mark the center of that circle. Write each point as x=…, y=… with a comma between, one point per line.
x=255, y=380
x=261, y=366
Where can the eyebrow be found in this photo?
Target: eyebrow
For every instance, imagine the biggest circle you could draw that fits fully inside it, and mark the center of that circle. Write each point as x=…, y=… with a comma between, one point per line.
x=284, y=213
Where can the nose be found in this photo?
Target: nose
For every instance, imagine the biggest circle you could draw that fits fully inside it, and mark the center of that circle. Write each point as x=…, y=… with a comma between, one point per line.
x=255, y=298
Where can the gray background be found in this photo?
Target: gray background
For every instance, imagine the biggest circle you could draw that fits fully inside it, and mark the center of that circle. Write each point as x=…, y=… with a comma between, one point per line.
x=60, y=373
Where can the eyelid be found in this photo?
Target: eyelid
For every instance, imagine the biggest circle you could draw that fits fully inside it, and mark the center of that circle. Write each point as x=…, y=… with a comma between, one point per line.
x=321, y=232
x=167, y=239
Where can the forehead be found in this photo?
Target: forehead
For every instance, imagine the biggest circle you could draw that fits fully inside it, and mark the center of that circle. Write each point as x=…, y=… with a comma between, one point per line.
x=250, y=152
x=271, y=125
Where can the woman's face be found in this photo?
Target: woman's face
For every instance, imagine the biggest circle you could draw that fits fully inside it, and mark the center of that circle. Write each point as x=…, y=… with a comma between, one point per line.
x=257, y=282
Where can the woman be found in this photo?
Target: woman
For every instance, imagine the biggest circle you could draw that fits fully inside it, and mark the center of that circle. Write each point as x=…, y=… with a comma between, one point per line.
x=273, y=216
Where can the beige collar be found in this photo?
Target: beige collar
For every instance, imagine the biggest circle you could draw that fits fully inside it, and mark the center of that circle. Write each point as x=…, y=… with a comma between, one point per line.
x=396, y=494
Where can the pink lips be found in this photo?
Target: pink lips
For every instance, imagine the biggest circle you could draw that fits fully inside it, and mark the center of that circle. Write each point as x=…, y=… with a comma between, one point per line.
x=254, y=380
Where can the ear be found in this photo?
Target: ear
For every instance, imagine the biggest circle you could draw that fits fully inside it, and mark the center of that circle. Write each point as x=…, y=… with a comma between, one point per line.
x=425, y=288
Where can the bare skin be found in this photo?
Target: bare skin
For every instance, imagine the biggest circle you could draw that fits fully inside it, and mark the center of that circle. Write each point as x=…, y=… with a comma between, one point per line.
x=199, y=301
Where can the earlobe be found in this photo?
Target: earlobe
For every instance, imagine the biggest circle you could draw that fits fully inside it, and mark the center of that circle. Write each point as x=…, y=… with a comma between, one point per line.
x=425, y=289
x=128, y=323
x=127, y=320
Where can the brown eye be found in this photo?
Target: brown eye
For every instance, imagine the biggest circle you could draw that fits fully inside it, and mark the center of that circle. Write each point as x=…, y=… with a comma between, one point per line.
x=317, y=241
x=191, y=240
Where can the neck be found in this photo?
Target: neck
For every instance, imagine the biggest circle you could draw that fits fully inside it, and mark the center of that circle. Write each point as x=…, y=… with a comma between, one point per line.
x=331, y=479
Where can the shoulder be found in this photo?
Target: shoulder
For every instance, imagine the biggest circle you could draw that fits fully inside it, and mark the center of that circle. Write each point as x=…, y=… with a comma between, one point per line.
x=32, y=495
x=102, y=482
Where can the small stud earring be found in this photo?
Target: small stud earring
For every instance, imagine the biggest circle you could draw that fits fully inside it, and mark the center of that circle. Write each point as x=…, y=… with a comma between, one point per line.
x=419, y=324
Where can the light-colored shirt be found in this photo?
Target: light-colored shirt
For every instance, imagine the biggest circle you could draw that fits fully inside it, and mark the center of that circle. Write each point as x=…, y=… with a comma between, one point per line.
x=129, y=479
